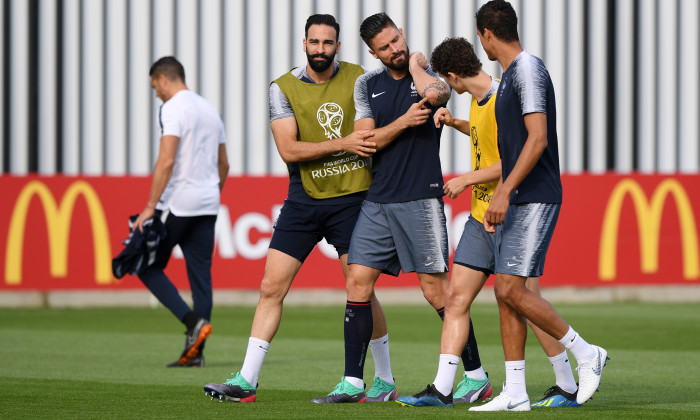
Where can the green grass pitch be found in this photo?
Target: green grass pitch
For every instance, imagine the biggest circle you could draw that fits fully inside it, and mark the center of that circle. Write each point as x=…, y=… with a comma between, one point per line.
x=110, y=363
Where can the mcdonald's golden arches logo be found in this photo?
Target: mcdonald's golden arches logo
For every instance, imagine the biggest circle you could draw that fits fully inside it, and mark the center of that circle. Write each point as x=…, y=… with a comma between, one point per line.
x=649, y=220
x=58, y=221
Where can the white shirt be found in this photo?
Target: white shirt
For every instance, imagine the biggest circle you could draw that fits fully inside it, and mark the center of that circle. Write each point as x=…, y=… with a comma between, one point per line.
x=193, y=189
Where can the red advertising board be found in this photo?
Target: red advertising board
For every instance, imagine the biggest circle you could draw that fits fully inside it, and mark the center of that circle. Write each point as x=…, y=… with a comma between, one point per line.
x=60, y=233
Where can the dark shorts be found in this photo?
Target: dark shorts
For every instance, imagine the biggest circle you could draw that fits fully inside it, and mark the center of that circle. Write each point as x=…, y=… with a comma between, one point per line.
x=522, y=242
x=476, y=248
x=408, y=237
x=300, y=227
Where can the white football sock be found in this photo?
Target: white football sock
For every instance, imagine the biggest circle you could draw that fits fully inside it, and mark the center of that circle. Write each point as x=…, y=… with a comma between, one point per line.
x=476, y=374
x=356, y=382
x=447, y=369
x=582, y=351
x=382, y=362
x=562, y=372
x=515, y=380
x=254, y=358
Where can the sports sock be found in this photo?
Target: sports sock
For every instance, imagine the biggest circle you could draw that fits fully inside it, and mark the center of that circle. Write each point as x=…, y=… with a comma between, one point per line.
x=382, y=363
x=515, y=379
x=190, y=320
x=254, y=358
x=358, y=333
x=441, y=313
x=579, y=348
x=476, y=374
x=447, y=369
x=470, y=354
x=356, y=382
x=562, y=372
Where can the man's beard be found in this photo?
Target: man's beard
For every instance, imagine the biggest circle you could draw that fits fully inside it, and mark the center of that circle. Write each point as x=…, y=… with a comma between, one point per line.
x=400, y=66
x=320, y=66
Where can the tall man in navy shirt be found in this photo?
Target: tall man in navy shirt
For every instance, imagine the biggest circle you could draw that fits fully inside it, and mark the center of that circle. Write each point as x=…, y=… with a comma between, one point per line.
x=524, y=208
x=402, y=222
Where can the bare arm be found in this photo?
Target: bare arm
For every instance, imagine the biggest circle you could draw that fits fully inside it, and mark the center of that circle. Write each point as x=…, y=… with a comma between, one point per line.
x=435, y=90
x=536, y=125
x=223, y=165
x=285, y=132
x=161, y=175
x=489, y=227
x=416, y=115
x=444, y=116
x=457, y=185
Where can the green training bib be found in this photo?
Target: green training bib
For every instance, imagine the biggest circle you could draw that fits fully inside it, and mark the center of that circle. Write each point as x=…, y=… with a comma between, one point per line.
x=326, y=111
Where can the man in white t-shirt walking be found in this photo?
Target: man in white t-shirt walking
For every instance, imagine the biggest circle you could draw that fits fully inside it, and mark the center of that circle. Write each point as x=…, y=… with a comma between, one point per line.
x=189, y=173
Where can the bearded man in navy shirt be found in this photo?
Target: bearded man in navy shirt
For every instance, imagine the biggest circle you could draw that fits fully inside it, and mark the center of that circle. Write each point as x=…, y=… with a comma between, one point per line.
x=401, y=226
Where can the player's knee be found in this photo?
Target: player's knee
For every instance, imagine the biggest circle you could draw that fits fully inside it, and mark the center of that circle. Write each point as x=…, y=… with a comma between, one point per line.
x=455, y=300
x=271, y=291
x=505, y=292
x=435, y=296
x=359, y=290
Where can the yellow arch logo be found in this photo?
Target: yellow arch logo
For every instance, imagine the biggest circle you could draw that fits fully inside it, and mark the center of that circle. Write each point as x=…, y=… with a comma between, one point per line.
x=58, y=220
x=649, y=227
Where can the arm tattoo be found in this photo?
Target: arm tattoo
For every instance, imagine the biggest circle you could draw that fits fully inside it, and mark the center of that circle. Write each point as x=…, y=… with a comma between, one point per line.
x=443, y=92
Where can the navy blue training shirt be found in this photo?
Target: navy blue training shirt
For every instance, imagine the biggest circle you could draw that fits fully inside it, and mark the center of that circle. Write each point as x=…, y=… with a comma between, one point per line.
x=409, y=167
x=526, y=88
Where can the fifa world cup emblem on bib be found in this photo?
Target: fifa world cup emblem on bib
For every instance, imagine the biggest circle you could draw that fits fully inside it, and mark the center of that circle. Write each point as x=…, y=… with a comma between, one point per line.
x=330, y=116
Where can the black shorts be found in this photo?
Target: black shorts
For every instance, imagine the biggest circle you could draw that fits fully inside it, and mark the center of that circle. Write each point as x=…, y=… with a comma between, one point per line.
x=300, y=227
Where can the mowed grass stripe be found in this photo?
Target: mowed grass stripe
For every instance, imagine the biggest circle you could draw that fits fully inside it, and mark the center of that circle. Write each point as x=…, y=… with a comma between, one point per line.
x=109, y=363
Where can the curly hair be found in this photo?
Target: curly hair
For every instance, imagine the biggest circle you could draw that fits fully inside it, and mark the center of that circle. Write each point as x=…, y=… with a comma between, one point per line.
x=455, y=55
x=498, y=16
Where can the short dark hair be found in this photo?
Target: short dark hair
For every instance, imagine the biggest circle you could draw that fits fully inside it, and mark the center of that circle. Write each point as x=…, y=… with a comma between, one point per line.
x=373, y=25
x=169, y=67
x=455, y=55
x=319, y=19
x=499, y=17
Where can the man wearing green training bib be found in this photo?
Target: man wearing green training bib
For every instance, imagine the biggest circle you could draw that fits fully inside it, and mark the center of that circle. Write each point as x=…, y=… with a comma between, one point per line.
x=325, y=111
x=312, y=115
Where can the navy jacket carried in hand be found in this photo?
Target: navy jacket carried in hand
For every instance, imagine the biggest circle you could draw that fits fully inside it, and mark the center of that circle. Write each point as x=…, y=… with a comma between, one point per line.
x=141, y=247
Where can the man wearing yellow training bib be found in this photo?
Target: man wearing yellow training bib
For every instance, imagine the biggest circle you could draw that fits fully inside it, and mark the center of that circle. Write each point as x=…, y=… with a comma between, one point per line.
x=474, y=258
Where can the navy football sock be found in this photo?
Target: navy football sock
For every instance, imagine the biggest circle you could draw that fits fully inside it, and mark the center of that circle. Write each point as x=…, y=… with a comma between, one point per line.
x=470, y=354
x=441, y=313
x=358, y=327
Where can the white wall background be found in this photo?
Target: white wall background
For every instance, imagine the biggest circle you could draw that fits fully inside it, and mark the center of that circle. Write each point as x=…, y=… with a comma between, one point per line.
x=76, y=97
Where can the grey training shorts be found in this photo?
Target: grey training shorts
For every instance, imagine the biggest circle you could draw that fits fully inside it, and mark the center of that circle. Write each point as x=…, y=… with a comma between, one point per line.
x=522, y=242
x=476, y=248
x=409, y=236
